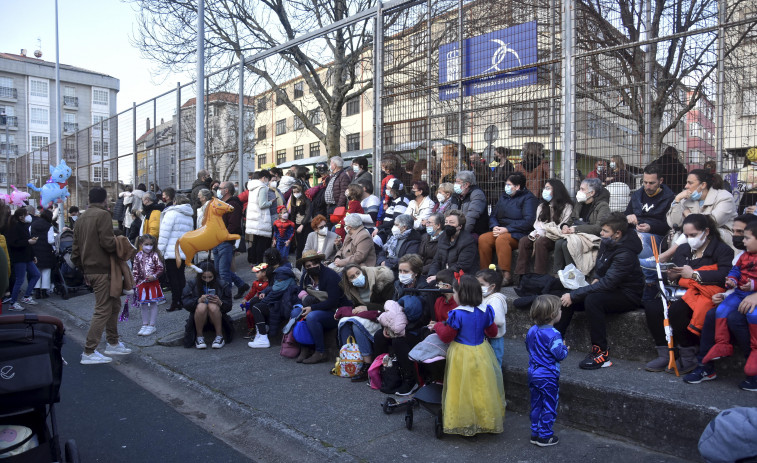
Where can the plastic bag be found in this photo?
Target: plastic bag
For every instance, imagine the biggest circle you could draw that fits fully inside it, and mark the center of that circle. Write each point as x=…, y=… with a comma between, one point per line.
x=571, y=277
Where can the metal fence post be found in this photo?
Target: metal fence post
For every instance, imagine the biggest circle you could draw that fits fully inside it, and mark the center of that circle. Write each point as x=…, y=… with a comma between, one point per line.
x=568, y=94
x=553, y=91
x=134, y=143
x=199, y=101
x=76, y=154
x=102, y=152
x=378, y=88
x=177, y=131
x=154, y=145
x=648, y=59
x=720, y=88
x=460, y=147
x=240, y=125
x=428, y=91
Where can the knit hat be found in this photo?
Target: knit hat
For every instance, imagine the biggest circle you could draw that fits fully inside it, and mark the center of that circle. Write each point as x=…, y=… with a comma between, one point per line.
x=281, y=208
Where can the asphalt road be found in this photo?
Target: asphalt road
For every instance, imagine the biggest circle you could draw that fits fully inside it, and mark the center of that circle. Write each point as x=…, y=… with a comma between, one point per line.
x=113, y=419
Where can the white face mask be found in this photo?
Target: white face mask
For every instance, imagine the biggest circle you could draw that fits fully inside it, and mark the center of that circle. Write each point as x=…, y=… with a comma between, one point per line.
x=440, y=197
x=484, y=291
x=388, y=192
x=356, y=169
x=323, y=231
x=424, y=177
x=74, y=217
x=396, y=231
x=273, y=183
x=28, y=219
x=219, y=193
x=406, y=278
x=581, y=196
x=283, y=216
x=696, y=242
x=297, y=195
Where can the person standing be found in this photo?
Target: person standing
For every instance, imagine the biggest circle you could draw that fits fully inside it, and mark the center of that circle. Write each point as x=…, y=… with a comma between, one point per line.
x=22, y=257
x=94, y=243
x=337, y=185
x=204, y=181
x=175, y=221
x=42, y=229
x=224, y=252
x=258, y=223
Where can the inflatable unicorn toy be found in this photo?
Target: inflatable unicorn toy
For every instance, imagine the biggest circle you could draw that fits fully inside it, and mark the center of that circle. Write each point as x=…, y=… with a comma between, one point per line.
x=56, y=188
x=18, y=198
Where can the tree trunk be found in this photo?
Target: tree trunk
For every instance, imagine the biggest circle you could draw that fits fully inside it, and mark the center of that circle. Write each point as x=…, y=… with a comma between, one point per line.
x=333, y=136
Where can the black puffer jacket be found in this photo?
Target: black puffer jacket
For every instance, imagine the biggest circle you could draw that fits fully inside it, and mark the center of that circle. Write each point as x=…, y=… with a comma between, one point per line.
x=427, y=251
x=460, y=255
x=617, y=269
x=43, y=250
x=717, y=252
x=193, y=291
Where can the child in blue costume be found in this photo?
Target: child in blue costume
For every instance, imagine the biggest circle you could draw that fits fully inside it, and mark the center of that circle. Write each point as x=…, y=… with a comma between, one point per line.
x=546, y=350
x=473, y=397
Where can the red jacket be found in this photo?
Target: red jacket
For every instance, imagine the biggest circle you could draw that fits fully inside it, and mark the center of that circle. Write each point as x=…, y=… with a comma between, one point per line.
x=256, y=287
x=354, y=207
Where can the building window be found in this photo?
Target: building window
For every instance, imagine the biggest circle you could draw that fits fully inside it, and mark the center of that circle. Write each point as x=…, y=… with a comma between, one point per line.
x=39, y=116
x=281, y=156
x=261, y=160
x=533, y=119
x=353, y=142
x=695, y=157
x=299, y=90
x=299, y=152
x=96, y=148
x=695, y=129
x=297, y=123
x=281, y=127
x=262, y=132
x=388, y=135
x=315, y=116
x=38, y=141
x=280, y=97
x=96, y=174
x=99, y=97
x=97, y=119
x=452, y=123
x=6, y=88
x=69, y=91
x=315, y=149
x=353, y=106
x=418, y=130
x=262, y=104
x=38, y=88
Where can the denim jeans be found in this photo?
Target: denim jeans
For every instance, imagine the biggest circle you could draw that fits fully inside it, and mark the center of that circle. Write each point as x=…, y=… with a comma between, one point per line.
x=21, y=269
x=646, y=251
x=737, y=325
x=223, y=254
x=319, y=321
x=498, y=345
x=364, y=343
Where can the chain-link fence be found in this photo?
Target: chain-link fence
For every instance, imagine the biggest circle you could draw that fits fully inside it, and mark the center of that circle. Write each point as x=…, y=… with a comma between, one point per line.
x=570, y=89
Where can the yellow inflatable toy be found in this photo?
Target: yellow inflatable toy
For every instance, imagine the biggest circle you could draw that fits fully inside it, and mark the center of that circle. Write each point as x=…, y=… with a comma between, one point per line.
x=212, y=233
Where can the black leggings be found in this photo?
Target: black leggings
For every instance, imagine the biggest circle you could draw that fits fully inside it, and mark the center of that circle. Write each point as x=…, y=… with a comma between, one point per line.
x=176, y=281
x=261, y=314
x=596, y=305
x=257, y=248
x=679, y=314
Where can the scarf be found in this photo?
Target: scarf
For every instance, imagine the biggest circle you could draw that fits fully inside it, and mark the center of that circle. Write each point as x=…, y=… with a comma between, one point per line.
x=391, y=247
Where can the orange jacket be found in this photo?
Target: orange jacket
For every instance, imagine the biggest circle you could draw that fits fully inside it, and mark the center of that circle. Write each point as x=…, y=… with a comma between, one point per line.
x=699, y=299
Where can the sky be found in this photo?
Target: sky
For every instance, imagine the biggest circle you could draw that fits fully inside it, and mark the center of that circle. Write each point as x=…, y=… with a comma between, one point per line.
x=94, y=35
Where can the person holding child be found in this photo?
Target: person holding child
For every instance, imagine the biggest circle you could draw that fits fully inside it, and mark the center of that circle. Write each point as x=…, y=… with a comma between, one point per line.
x=283, y=232
x=148, y=267
x=473, y=397
x=545, y=352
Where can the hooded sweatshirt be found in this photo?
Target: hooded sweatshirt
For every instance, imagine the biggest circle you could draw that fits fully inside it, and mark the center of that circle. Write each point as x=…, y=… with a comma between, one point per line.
x=652, y=210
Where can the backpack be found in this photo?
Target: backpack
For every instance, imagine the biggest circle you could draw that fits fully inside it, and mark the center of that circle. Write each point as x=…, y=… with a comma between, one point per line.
x=391, y=375
x=289, y=347
x=350, y=360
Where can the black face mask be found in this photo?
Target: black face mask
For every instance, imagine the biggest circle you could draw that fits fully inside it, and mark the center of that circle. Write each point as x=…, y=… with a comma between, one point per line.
x=314, y=271
x=450, y=230
x=738, y=243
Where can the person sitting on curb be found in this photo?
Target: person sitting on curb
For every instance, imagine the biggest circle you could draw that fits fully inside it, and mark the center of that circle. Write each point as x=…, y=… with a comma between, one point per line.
x=616, y=287
x=207, y=298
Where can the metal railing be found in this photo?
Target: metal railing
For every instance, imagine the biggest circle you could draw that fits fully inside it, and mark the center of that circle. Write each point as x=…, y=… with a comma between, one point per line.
x=10, y=121
x=8, y=93
x=71, y=101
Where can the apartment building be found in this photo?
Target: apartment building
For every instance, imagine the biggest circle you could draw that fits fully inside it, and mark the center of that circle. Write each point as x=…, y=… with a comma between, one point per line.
x=28, y=110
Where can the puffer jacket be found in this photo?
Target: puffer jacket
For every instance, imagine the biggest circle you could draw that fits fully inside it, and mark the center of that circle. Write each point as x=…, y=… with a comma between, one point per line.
x=427, y=250
x=151, y=221
x=393, y=319
x=258, y=217
x=460, y=255
x=408, y=245
x=600, y=210
x=473, y=205
x=175, y=221
x=517, y=213
x=617, y=269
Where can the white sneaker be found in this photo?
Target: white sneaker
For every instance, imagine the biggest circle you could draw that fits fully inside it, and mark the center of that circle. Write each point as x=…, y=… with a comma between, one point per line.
x=94, y=358
x=16, y=307
x=260, y=342
x=200, y=343
x=117, y=349
x=142, y=330
x=218, y=342
x=149, y=330
x=127, y=292
x=28, y=300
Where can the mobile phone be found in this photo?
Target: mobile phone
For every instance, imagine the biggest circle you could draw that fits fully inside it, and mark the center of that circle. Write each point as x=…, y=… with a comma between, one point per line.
x=211, y=292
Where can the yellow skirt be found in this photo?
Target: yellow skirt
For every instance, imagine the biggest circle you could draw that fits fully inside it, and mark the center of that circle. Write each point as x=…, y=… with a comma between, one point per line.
x=473, y=398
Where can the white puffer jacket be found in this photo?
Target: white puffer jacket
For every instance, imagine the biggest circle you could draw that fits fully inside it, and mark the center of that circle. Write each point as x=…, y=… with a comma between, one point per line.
x=258, y=218
x=174, y=222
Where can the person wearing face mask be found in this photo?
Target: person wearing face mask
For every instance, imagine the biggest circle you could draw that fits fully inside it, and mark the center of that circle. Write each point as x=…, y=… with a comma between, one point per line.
x=369, y=202
x=503, y=168
x=421, y=205
x=259, y=222
x=591, y=209
x=617, y=172
x=151, y=211
x=337, y=185
x=360, y=170
x=616, y=288
x=354, y=193
x=283, y=233
x=298, y=207
x=73, y=216
x=396, y=207
x=20, y=249
x=512, y=219
x=367, y=288
x=223, y=254
x=274, y=195
x=472, y=202
x=446, y=199
x=600, y=171
x=321, y=296
x=700, y=265
x=358, y=248
x=404, y=240
x=321, y=239
x=176, y=220
x=430, y=240
x=457, y=248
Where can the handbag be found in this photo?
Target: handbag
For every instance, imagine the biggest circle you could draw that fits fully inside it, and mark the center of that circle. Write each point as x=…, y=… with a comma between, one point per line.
x=391, y=375
x=289, y=347
x=350, y=360
x=302, y=333
x=374, y=372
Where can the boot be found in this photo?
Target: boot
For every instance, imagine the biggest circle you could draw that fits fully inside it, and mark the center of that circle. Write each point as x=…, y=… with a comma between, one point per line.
x=260, y=342
x=362, y=374
x=317, y=357
x=305, y=352
x=751, y=363
x=722, y=347
x=687, y=359
x=661, y=362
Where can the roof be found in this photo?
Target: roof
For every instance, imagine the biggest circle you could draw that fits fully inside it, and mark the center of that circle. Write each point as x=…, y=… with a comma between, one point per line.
x=41, y=62
x=227, y=97
x=312, y=161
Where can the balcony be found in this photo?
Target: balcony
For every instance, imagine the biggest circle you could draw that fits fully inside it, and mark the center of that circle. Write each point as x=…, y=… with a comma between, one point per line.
x=8, y=150
x=71, y=102
x=69, y=153
x=70, y=127
x=8, y=94
x=10, y=121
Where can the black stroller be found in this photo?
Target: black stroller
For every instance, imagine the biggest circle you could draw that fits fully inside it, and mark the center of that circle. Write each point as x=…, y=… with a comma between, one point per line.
x=31, y=368
x=67, y=279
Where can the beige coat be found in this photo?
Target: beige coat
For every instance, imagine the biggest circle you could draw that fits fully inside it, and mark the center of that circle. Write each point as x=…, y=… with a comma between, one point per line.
x=719, y=204
x=358, y=249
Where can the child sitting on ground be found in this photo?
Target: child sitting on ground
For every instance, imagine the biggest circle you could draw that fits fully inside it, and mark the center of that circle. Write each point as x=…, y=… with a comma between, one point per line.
x=283, y=232
x=743, y=279
x=148, y=267
x=545, y=352
x=473, y=397
x=491, y=283
x=256, y=291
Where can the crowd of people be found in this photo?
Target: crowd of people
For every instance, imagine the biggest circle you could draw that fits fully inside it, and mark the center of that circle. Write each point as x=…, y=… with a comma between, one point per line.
x=390, y=266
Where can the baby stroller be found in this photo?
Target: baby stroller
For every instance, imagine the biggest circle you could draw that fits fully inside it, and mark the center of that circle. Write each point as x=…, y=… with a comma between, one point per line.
x=31, y=368
x=67, y=279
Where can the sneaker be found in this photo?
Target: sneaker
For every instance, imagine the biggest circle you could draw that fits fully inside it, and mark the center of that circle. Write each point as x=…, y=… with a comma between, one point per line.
x=16, y=307
x=749, y=384
x=163, y=302
x=218, y=342
x=408, y=387
x=6, y=300
x=149, y=330
x=142, y=330
x=260, y=342
x=127, y=292
x=200, y=343
x=94, y=358
x=547, y=441
x=597, y=358
x=701, y=373
x=28, y=300
x=534, y=439
x=117, y=349
x=250, y=334
x=242, y=291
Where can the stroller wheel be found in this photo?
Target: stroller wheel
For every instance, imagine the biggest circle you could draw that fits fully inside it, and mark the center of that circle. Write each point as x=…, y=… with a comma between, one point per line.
x=438, y=428
x=409, y=419
x=72, y=452
x=388, y=405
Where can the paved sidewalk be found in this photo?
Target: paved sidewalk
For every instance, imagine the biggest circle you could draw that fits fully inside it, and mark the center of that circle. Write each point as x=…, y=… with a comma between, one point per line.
x=301, y=412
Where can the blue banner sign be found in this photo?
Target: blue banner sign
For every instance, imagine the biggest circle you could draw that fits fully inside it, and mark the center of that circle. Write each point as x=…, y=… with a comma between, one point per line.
x=485, y=54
